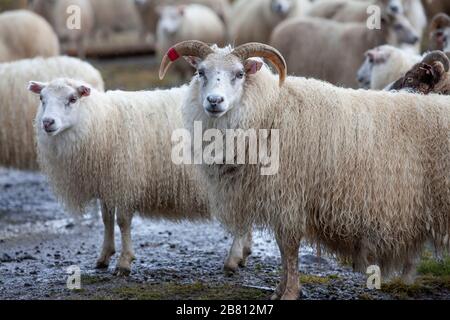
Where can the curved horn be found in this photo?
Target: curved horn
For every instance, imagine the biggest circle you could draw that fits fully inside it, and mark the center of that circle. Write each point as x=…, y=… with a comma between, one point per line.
x=437, y=56
x=192, y=48
x=254, y=49
x=441, y=20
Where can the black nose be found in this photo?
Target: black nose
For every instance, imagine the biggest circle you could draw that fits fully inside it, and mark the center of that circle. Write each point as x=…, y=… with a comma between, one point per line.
x=215, y=100
x=414, y=39
x=48, y=123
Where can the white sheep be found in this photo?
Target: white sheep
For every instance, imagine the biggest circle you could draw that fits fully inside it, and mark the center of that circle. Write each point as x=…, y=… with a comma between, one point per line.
x=77, y=36
x=148, y=10
x=255, y=20
x=24, y=34
x=320, y=48
x=18, y=107
x=384, y=65
x=360, y=11
x=179, y=23
x=364, y=173
x=115, y=16
x=116, y=147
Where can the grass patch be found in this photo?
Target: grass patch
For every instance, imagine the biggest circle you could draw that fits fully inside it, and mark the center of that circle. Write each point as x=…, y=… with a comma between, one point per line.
x=424, y=285
x=310, y=279
x=429, y=266
x=177, y=291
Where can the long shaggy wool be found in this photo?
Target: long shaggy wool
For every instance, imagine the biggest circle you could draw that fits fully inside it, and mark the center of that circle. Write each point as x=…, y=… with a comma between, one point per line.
x=18, y=107
x=359, y=170
x=120, y=152
x=24, y=34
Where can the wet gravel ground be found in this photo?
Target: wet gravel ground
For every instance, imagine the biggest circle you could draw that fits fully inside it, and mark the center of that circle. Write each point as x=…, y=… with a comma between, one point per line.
x=39, y=241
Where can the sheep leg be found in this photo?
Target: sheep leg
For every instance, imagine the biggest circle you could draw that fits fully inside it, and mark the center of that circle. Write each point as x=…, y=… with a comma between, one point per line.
x=282, y=286
x=124, y=220
x=409, y=272
x=291, y=274
x=109, y=248
x=240, y=251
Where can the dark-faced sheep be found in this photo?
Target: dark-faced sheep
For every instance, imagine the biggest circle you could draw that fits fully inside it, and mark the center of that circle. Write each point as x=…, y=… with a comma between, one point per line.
x=429, y=76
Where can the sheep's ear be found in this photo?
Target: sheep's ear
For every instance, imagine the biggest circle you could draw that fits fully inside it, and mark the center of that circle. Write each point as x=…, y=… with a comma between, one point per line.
x=377, y=56
x=36, y=87
x=84, y=91
x=252, y=66
x=193, y=61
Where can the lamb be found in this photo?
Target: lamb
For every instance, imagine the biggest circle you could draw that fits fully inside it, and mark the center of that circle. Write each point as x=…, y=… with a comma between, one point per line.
x=179, y=23
x=384, y=65
x=24, y=34
x=255, y=20
x=362, y=171
x=18, y=108
x=440, y=33
x=116, y=147
x=149, y=13
x=318, y=48
x=78, y=38
x=429, y=76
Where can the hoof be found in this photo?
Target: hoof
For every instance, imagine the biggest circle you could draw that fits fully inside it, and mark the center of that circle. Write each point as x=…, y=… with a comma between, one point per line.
x=122, y=272
x=101, y=265
x=231, y=268
x=274, y=297
x=290, y=296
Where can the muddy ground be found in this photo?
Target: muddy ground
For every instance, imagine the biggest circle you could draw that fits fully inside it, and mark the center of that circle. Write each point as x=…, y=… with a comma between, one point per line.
x=39, y=241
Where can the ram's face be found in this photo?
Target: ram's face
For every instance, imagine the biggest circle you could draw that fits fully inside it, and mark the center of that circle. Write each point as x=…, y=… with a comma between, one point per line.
x=281, y=7
x=221, y=81
x=59, y=107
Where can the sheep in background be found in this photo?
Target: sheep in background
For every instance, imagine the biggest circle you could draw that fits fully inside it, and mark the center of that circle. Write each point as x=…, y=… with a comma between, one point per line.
x=116, y=147
x=148, y=10
x=254, y=21
x=434, y=7
x=429, y=76
x=24, y=34
x=370, y=171
x=115, y=16
x=440, y=33
x=411, y=12
x=384, y=65
x=319, y=48
x=78, y=38
x=179, y=23
x=18, y=108
x=44, y=8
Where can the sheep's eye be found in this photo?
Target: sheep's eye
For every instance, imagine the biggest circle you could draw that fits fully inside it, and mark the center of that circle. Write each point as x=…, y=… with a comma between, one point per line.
x=410, y=80
x=72, y=100
x=42, y=99
x=240, y=75
x=201, y=73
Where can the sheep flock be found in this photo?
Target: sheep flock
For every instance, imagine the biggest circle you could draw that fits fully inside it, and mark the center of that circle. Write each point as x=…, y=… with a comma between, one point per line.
x=351, y=97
